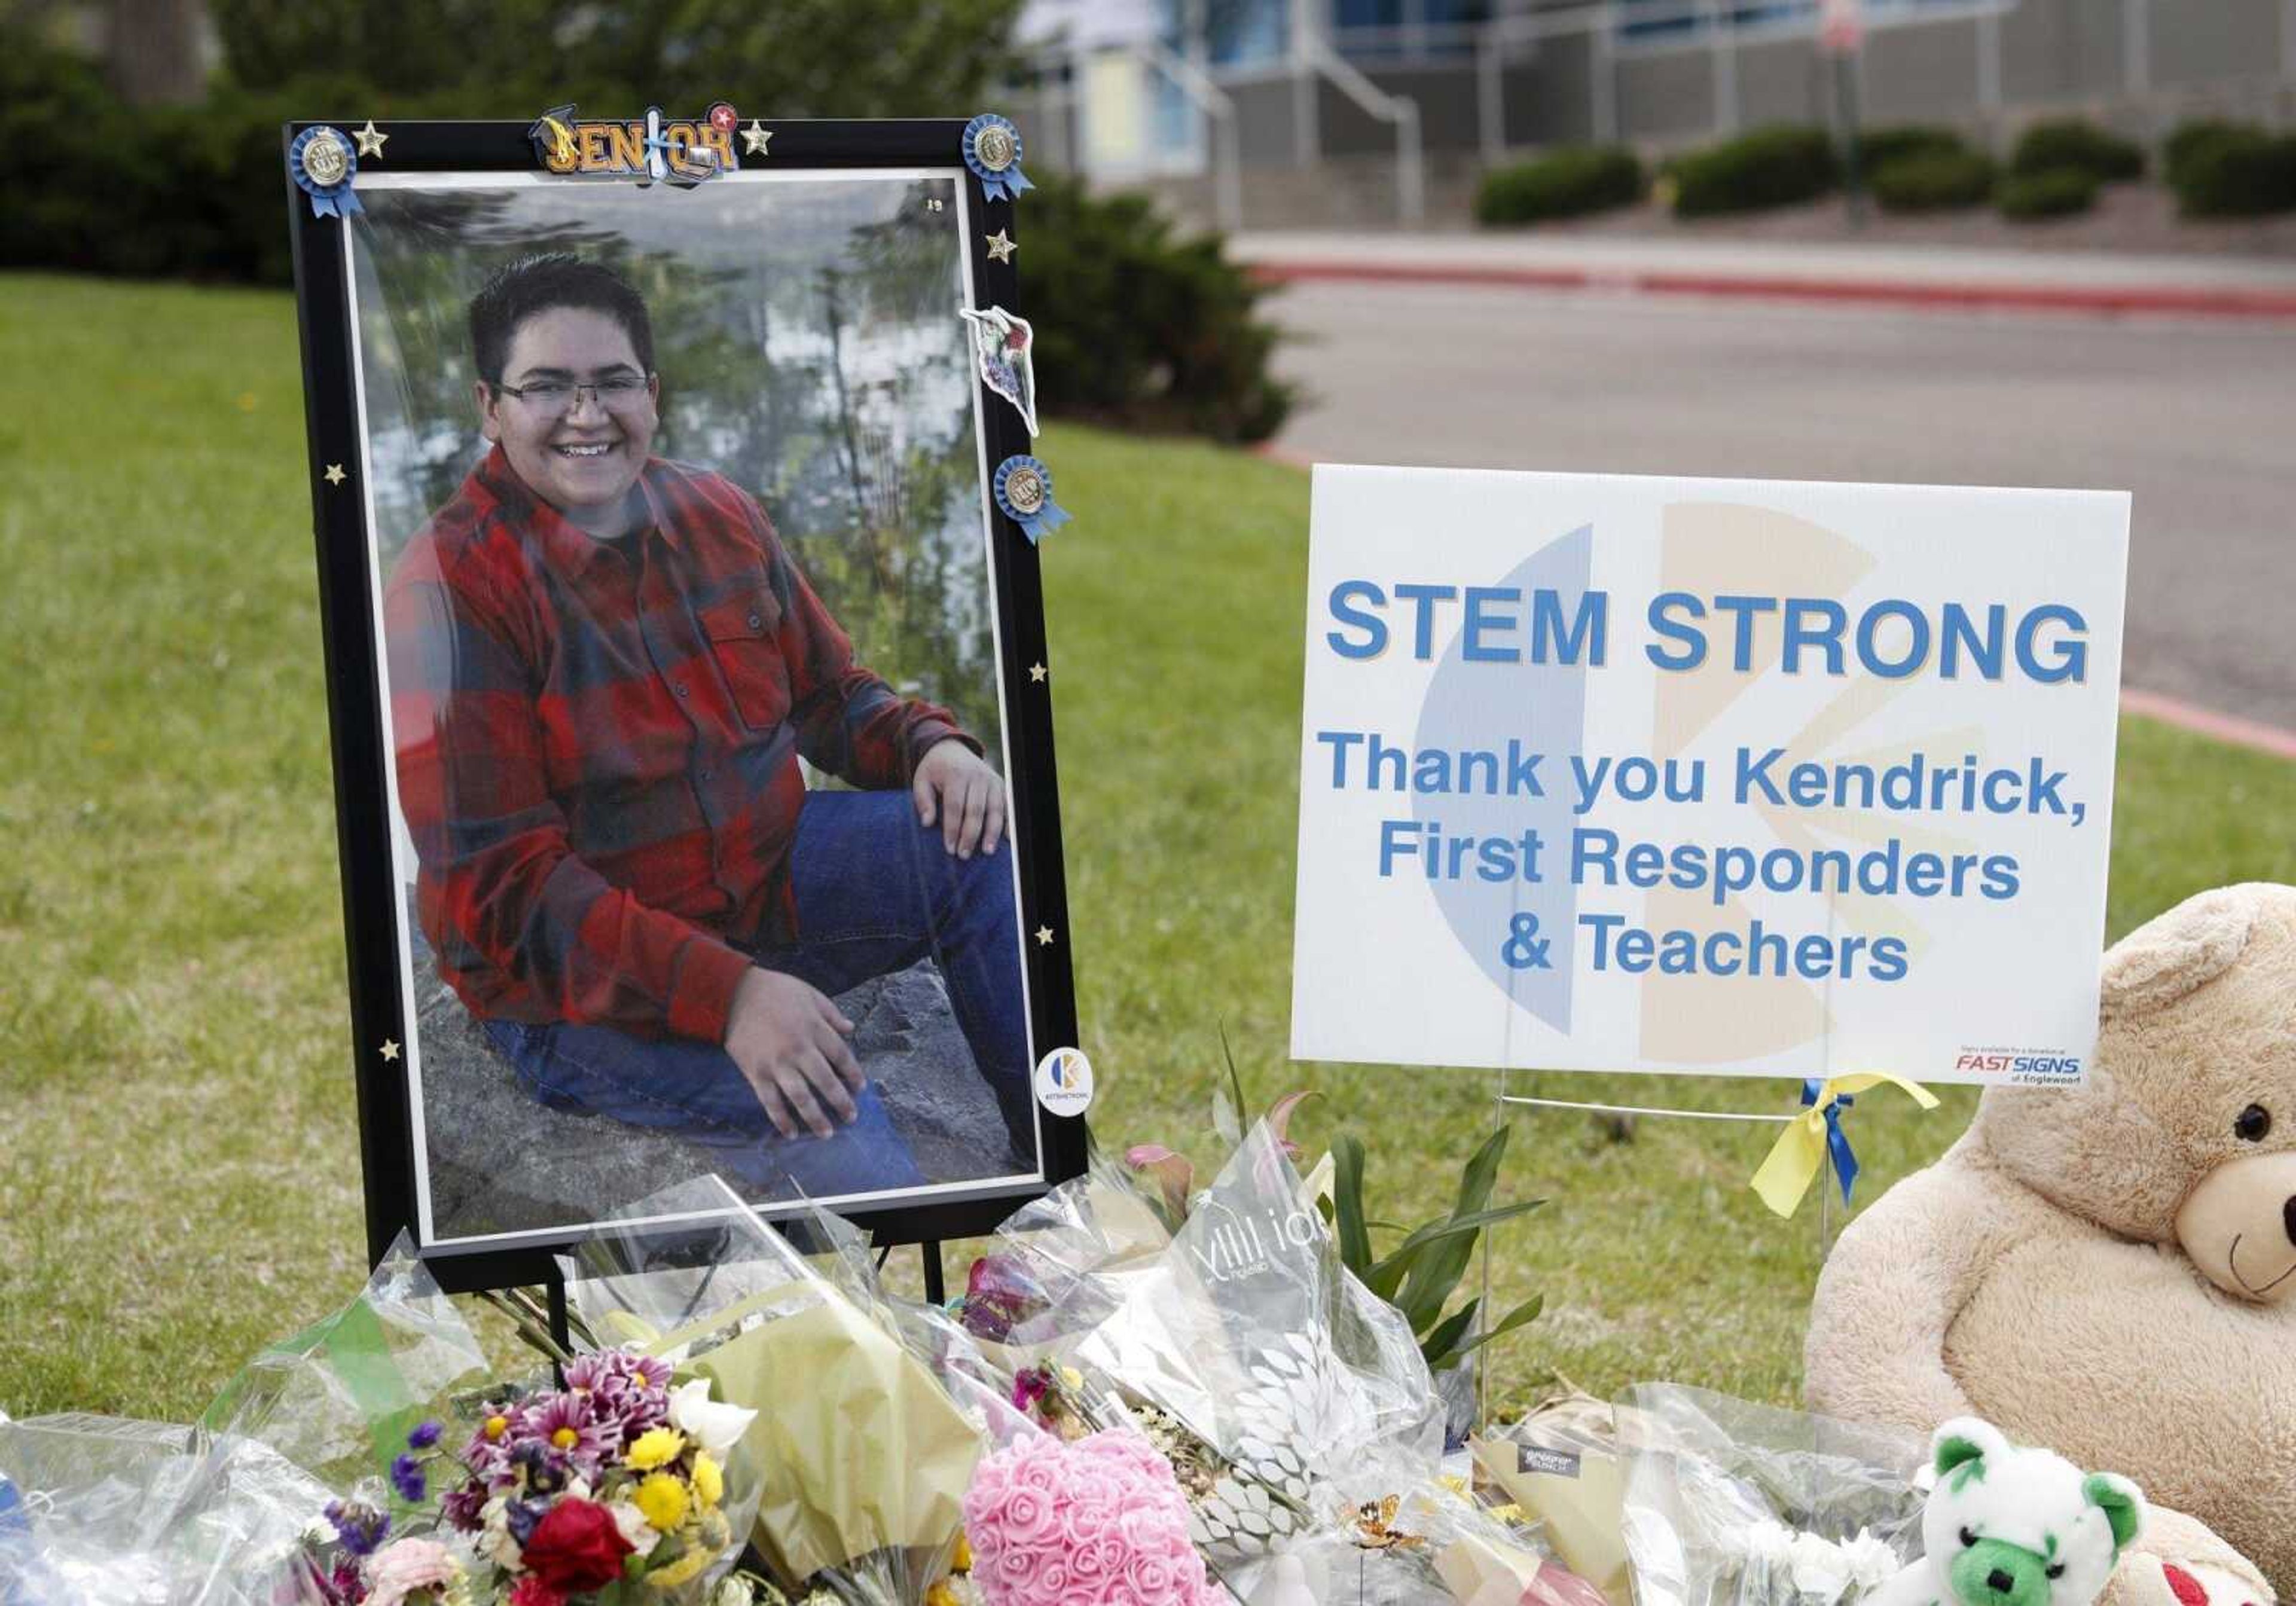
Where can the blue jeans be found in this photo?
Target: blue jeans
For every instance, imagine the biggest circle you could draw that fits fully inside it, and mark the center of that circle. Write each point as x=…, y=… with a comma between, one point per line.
x=876, y=892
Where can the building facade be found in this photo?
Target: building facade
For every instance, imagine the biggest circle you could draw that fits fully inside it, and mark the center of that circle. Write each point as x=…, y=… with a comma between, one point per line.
x=1131, y=90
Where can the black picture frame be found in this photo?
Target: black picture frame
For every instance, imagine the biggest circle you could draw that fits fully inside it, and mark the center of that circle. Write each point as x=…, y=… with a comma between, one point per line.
x=353, y=642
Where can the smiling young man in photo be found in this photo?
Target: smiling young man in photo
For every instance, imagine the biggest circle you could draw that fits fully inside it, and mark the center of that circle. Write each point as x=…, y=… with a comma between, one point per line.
x=604, y=669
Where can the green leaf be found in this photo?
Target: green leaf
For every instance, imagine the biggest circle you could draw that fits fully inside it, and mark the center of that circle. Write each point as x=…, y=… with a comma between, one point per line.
x=1235, y=1077
x=1528, y=1311
x=1392, y=1268
x=1347, y=1194
x=1429, y=1288
x=1437, y=1346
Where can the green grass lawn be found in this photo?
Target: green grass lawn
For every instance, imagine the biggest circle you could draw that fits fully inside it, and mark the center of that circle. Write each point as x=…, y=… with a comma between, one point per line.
x=179, y=1170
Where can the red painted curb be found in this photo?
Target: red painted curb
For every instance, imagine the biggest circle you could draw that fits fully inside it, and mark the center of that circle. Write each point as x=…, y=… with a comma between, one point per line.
x=2095, y=300
x=2224, y=727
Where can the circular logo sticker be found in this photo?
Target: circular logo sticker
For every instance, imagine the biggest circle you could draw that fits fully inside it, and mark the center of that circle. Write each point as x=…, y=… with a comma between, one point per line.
x=1064, y=1082
x=1025, y=489
x=993, y=146
x=326, y=159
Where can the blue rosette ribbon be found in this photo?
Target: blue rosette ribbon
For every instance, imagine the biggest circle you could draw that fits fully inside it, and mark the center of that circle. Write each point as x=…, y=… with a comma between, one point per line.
x=992, y=150
x=323, y=164
x=1023, y=489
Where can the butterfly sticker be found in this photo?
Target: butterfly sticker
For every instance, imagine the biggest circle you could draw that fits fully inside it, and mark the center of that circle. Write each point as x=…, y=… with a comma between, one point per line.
x=1001, y=342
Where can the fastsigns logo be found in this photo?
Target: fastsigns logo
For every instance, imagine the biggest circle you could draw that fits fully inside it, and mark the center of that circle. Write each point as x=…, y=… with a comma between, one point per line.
x=2021, y=1068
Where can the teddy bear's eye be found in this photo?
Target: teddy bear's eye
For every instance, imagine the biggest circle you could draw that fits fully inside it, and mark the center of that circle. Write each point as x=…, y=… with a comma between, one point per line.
x=1967, y=1539
x=2252, y=1125
x=2058, y=1572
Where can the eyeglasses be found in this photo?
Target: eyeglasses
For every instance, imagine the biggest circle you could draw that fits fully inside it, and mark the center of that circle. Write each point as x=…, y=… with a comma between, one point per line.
x=558, y=395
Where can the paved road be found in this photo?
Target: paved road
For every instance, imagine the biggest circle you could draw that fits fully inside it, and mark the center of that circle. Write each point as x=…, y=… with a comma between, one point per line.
x=2197, y=419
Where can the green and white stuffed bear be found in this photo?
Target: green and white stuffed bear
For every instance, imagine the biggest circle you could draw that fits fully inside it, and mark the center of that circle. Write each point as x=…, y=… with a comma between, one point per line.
x=2011, y=1526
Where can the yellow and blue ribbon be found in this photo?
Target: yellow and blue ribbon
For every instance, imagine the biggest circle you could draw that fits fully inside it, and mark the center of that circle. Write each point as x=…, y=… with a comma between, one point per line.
x=1816, y=1136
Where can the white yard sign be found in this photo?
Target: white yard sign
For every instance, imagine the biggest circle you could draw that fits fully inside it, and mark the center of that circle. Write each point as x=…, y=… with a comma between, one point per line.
x=1724, y=776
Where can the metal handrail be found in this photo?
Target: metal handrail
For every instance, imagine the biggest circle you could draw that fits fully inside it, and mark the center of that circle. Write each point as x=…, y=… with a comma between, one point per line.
x=1400, y=110
x=1216, y=104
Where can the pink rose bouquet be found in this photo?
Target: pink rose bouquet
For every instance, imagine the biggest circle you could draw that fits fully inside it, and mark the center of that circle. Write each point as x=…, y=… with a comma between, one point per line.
x=1098, y=1523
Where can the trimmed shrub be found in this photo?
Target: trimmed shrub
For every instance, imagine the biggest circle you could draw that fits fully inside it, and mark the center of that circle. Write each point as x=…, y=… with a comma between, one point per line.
x=1567, y=182
x=1135, y=327
x=2232, y=171
x=1939, y=181
x=2058, y=192
x=2073, y=143
x=1880, y=148
x=2194, y=136
x=1770, y=166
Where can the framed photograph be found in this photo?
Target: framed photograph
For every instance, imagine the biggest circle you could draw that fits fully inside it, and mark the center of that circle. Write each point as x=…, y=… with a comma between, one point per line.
x=676, y=512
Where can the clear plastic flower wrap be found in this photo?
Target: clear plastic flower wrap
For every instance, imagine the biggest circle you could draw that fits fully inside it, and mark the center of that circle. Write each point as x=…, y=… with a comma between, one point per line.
x=1290, y=1400
x=99, y=1510
x=862, y=1456
x=338, y=1397
x=214, y=1514
x=1731, y=1504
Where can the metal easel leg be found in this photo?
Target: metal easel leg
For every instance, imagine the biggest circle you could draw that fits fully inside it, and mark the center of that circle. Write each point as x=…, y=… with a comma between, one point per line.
x=935, y=1290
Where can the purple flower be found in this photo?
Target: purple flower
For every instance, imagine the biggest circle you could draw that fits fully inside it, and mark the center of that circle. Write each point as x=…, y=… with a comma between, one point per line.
x=407, y=1477
x=589, y=1374
x=463, y=1508
x=488, y=1454
x=424, y=1436
x=1029, y=1387
x=357, y=1525
x=522, y=1516
x=569, y=1424
x=344, y=1584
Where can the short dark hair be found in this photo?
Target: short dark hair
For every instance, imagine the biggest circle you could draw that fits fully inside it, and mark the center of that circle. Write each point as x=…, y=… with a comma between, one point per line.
x=522, y=289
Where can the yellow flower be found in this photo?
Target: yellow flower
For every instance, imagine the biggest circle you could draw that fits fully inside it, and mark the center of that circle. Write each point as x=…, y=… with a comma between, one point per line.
x=963, y=1561
x=565, y=1438
x=683, y=1570
x=940, y=1594
x=663, y=1500
x=497, y=1426
x=708, y=1482
x=656, y=1448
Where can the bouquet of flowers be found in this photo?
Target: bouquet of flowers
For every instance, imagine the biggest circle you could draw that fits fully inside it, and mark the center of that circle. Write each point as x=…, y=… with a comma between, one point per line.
x=615, y=1481
x=1099, y=1522
x=1295, y=1407
x=863, y=1457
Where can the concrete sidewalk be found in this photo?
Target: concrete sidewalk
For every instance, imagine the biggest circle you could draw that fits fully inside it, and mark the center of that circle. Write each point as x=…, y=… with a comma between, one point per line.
x=2083, y=282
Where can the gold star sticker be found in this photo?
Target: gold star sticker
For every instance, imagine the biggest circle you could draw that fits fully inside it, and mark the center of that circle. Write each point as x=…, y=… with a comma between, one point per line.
x=335, y=474
x=1038, y=671
x=389, y=1049
x=754, y=138
x=1044, y=936
x=1001, y=247
x=369, y=139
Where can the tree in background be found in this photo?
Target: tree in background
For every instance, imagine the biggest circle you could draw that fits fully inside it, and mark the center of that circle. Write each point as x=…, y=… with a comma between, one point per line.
x=505, y=58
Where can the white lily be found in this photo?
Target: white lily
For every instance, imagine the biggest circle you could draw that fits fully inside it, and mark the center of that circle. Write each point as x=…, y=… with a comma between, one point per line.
x=713, y=1424
x=637, y=1532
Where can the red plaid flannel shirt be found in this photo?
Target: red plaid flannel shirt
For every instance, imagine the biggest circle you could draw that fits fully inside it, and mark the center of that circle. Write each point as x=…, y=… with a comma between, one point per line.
x=598, y=761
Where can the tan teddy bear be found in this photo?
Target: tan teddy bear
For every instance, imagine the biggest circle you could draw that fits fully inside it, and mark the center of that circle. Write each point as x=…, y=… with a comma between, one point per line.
x=2108, y=1270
